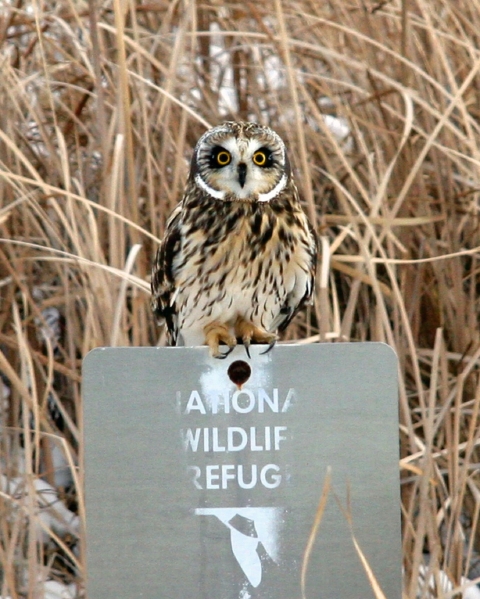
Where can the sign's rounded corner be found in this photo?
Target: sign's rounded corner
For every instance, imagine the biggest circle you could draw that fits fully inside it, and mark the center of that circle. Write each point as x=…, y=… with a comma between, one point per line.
x=388, y=349
x=92, y=355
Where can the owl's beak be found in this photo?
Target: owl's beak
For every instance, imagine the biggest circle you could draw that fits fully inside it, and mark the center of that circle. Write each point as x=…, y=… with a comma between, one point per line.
x=242, y=173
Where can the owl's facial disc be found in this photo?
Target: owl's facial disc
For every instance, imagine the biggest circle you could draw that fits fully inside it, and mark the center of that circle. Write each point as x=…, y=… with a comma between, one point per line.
x=232, y=165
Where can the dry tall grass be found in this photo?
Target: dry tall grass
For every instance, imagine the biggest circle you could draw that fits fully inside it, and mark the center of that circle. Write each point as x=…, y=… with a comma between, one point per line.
x=101, y=104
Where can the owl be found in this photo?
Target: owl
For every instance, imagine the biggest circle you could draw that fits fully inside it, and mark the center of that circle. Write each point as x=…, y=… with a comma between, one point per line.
x=238, y=257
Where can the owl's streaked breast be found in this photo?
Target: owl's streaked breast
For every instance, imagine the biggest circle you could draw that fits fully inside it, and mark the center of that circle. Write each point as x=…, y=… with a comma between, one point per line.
x=239, y=259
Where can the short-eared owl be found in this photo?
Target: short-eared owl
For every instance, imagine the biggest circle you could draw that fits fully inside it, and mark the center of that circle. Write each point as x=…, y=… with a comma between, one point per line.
x=238, y=258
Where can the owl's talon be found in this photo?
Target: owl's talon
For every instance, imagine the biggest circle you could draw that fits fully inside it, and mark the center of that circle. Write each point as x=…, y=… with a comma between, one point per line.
x=248, y=332
x=216, y=333
x=270, y=347
x=227, y=353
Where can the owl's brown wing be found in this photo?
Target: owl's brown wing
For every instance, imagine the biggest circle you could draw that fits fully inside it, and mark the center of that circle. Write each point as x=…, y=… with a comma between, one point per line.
x=163, y=280
x=304, y=287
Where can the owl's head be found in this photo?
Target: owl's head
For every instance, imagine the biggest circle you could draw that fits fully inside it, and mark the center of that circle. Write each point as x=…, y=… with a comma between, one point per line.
x=240, y=161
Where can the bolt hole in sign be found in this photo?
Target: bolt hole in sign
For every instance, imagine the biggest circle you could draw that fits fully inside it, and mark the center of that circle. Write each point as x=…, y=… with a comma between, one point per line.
x=204, y=476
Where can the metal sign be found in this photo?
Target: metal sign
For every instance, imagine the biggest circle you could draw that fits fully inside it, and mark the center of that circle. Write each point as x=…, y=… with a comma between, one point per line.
x=204, y=476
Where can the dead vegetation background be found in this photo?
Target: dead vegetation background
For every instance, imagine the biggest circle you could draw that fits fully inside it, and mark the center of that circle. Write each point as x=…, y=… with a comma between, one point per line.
x=101, y=103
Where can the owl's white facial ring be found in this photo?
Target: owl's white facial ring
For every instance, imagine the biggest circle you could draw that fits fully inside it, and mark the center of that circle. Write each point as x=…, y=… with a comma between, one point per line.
x=215, y=193
x=266, y=197
x=262, y=197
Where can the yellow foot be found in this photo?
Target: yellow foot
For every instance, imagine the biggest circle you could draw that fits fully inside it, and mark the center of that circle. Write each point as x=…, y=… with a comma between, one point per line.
x=216, y=333
x=248, y=332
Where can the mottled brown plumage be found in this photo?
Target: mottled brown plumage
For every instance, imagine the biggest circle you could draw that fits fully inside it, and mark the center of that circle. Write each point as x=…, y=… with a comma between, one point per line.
x=238, y=257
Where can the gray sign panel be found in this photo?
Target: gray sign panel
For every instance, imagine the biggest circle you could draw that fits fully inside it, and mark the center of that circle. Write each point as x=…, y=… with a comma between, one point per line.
x=205, y=487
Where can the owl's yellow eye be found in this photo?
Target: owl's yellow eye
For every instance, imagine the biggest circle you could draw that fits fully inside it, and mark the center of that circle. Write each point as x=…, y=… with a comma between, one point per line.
x=260, y=158
x=219, y=157
x=223, y=158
